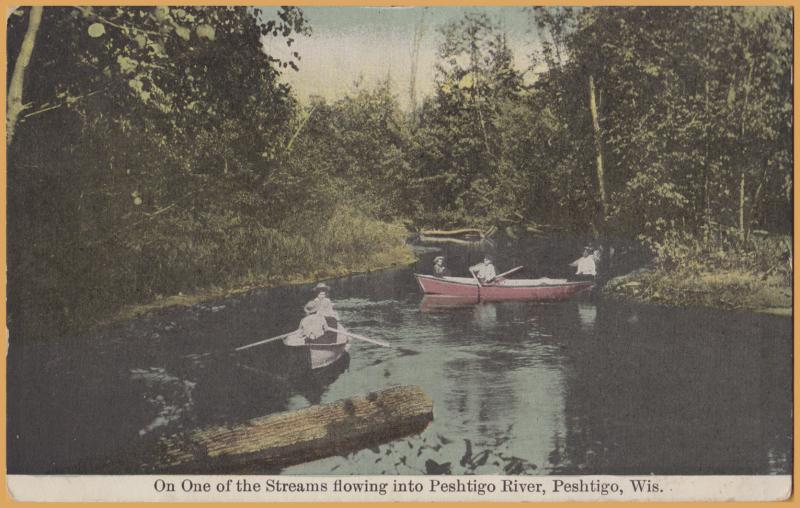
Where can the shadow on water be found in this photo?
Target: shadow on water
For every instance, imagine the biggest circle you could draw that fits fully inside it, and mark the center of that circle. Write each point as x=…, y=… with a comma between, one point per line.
x=583, y=386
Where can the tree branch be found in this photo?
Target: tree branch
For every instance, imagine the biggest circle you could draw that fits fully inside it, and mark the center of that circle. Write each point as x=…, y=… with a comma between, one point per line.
x=15, y=88
x=69, y=100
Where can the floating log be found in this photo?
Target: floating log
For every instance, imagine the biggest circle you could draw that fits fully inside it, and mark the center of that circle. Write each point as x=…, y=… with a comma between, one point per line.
x=275, y=441
x=455, y=241
x=453, y=232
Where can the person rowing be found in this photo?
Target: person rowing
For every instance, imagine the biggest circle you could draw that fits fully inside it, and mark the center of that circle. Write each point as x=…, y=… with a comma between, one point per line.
x=313, y=326
x=485, y=271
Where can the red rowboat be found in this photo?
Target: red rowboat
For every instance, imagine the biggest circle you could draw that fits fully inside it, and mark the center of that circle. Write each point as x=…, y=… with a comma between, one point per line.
x=502, y=289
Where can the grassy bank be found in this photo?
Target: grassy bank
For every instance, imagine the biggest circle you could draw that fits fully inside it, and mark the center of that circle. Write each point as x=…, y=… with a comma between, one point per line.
x=347, y=242
x=398, y=255
x=723, y=290
x=178, y=261
x=721, y=272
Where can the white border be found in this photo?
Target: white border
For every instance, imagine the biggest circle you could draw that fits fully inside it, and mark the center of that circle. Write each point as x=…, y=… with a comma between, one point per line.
x=143, y=488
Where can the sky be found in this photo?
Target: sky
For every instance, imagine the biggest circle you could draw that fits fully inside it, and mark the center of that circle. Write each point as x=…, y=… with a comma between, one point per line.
x=349, y=44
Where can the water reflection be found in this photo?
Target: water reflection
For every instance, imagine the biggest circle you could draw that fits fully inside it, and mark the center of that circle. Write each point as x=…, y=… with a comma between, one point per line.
x=438, y=303
x=485, y=314
x=587, y=312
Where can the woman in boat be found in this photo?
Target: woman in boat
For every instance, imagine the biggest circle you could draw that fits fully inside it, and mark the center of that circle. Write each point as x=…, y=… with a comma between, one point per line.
x=439, y=270
x=313, y=326
x=586, y=266
x=484, y=271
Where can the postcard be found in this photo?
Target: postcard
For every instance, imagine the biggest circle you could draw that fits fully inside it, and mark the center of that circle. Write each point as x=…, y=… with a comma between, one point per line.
x=486, y=254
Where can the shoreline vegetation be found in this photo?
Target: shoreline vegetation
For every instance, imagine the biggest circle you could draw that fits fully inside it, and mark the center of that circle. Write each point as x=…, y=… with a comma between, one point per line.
x=723, y=270
x=696, y=282
x=730, y=290
x=396, y=256
x=346, y=243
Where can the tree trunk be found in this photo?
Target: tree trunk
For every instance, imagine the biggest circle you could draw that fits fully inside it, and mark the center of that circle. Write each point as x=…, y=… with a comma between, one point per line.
x=601, y=186
x=755, y=205
x=741, y=206
x=16, y=86
x=299, y=128
x=706, y=194
x=294, y=437
x=744, y=157
x=419, y=31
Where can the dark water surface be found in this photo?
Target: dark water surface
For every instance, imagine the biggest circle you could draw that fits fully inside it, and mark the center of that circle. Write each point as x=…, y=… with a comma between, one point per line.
x=585, y=386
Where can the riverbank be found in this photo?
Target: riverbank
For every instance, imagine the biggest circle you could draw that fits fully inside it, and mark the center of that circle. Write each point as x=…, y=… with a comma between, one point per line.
x=399, y=255
x=182, y=262
x=724, y=289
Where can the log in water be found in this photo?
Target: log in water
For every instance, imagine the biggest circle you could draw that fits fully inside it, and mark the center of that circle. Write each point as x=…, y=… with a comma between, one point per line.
x=453, y=232
x=294, y=437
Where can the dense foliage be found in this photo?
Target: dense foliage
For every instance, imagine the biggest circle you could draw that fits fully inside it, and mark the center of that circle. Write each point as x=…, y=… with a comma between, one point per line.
x=157, y=150
x=151, y=158
x=693, y=114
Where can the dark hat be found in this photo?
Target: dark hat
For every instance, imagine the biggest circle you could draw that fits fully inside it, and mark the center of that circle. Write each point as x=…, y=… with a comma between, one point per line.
x=321, y=287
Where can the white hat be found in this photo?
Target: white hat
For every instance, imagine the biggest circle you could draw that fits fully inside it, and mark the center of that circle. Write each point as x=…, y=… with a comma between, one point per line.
x=321, y=287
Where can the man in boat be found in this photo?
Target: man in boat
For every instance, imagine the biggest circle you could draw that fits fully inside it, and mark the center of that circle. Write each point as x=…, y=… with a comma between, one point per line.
x=597, y=254
x=586, y=266
x=313, y=326
x=439, y=270
x=484, y=271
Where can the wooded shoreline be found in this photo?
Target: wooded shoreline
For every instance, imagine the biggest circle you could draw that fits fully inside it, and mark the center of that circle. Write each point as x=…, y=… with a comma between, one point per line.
x=160, y=151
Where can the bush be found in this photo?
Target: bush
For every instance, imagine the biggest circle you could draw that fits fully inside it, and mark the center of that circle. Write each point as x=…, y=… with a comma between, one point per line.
x=717, y=268
x=722, y=249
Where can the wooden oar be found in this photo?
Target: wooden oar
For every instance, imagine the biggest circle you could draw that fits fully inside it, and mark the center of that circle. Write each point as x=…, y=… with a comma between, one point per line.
x=479, y=283
x=476, y=278
x=265, y=341
x=360, y=337
x=508, y=272
x=376, y=342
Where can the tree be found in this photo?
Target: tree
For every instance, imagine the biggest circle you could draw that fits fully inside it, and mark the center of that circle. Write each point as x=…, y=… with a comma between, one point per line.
x=693, y=121
x=475, y=81
x=16, y=85
x=357, y=147
x=129, y=147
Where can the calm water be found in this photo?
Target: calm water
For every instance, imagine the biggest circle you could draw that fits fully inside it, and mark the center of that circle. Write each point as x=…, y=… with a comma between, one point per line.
x=584, y=386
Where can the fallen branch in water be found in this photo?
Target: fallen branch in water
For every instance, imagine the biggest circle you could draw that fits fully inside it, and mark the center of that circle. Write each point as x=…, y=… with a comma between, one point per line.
x=454, y=232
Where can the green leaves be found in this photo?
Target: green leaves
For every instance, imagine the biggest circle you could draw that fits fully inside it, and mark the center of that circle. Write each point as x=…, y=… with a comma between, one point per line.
x=183, y=32
x=205, y=31
x=96, y=30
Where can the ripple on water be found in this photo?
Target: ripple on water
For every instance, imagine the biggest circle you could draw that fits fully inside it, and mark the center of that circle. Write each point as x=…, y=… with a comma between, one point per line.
x=169, y=397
